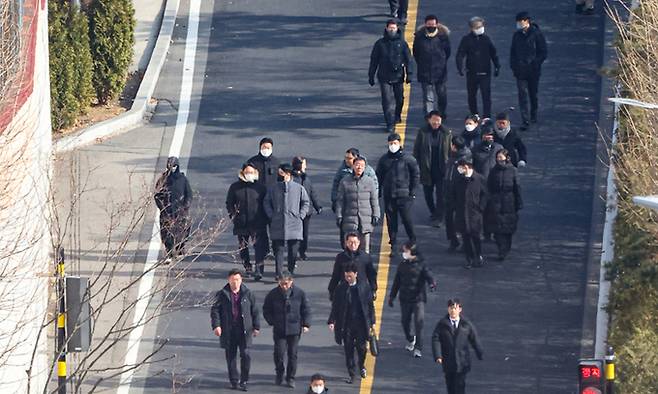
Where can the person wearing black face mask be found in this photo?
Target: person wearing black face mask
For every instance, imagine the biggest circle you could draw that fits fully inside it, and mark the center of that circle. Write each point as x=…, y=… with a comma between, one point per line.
x=501, y=216
x=173, y=196
x=431, y=50
x=391, y=60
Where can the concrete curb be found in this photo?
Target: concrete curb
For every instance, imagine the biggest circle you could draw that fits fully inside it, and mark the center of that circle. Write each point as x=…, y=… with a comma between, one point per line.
x=143, y=107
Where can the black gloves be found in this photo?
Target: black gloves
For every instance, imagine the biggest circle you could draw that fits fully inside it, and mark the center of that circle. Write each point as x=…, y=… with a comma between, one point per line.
x=461, y=72
x=319, y=210
x=374, y=221
x=496, y=71
x=390, y=302
x=371, y=81
x=339, y=222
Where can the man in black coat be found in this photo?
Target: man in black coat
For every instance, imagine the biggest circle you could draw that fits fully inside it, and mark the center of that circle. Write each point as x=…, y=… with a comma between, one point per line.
x=484, y=153
x=527, y=54
x=411, y=280
x=479, y=52
x=391, y=60
x=286, y=309
x=244, y=204
x=450, y=344
x=398, y=176
x=173, y=196
x=353, y=254
x=266, y=163
x=399, y=9
x=234, y=319
x=469, y=197
x=458, y=151
x=352, y=318
x=431, y=50
x=511, y=140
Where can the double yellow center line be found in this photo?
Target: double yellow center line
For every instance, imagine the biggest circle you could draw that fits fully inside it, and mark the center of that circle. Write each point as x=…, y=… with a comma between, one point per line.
x=384, y=251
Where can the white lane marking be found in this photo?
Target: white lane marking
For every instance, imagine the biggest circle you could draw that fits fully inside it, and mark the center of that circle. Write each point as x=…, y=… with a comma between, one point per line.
x=145, y=284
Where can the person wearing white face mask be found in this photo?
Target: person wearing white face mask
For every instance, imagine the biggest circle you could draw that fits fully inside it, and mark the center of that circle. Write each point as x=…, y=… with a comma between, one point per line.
x=318, y=385
x=479, y=52
x=244, y=204
x=399, y=176
x=266, y=163
x=410, y=281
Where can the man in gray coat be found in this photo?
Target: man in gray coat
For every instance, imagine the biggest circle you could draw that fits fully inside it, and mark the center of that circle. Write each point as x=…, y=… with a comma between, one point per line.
x=286, y=205
x=357, y=203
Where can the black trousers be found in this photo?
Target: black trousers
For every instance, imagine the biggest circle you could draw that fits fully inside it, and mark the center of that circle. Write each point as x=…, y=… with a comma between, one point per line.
x=399, y=7
x=399, y=206
x=504, y=243
x=483, y=83
x=355, y=338
x=392, y=101
x=434, y=197
x=303, y=245
x=456, y=382
x=286, y=345
x=415, y=311
x=435, y=97
x=260, y=241
x=451, y=233
x=174, y=231
x=472, y=245
x=238, y=342
x=293, y=247
x=527, y=91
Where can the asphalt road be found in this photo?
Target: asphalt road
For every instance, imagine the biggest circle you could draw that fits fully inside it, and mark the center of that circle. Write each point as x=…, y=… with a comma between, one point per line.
x=296, y=70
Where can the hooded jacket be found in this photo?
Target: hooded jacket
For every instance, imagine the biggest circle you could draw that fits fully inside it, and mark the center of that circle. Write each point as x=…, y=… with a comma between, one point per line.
x=357, y=203
x=398, y=175
x=286, y=205
x=431, y=52
x=173, y=194
x=391, y=59
x=411, y=280
x=452, y=345
x=268, y=169
x=423, y=152
x=221, y=314
x=244, y=204
x=479, y=52
x=528, y=52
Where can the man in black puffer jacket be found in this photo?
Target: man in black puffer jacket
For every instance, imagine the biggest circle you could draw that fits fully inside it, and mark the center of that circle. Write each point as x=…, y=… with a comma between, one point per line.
x=353, y=255
x=399, y=177
x=527, y=54
x=391, y=60
x=410, y=280
x=431, y=50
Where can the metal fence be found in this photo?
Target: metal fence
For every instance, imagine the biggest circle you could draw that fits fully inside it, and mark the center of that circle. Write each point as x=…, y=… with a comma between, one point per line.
x=11, y=18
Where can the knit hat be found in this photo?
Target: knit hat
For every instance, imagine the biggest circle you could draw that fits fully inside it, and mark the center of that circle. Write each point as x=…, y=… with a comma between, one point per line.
x=266, y=140
x=522, y=16
x=394, y=137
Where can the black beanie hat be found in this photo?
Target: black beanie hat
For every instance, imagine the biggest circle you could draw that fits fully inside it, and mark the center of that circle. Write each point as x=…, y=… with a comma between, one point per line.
x=523, y=15
x=394, y=137
x=266, y=140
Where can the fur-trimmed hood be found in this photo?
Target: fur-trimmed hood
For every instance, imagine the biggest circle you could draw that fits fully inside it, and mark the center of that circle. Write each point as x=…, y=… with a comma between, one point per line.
x=441, y=29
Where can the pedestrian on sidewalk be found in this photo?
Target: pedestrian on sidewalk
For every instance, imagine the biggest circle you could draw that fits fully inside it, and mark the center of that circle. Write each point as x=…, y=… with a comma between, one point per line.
x=472, y=131
x=450, y=344
x=244, y=204
x=391, y=60
x=353, y=255
x=479, y=52
x=318, y=385
x=266, y=163
x=351, y=319
x=504, y=203
x=585, y=7
x=511, y=140
x=469, y=197
x=299, y=175
x=411, y=280
x=287, y=310
x=431, y=150
x=399, y=177
x=234, y=319
x=458, y=151
x=286, y=203
x=527, y=54
x=431, y=50
x=357, y=203
x=173, y=197
x=399, y=9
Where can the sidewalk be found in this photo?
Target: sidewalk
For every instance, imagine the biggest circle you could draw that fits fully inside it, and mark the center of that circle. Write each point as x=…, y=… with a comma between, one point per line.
x=148, y=17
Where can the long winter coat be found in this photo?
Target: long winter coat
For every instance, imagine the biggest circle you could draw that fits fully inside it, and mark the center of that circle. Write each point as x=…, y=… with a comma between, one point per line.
x=479, y=52
x=528, y=52
x=303, y=179
x=244, y=204
x=411, y=280
x=504, y=200
x=398, y=175
x=391, y=59
x=339, y=309
x=452, y=175
x=173, y=194
x=287, y=315
x=357, y=203
x=423, y=152
x=514, y=145
x=344, y=171
x=453, y=345
x=484, y=158
x=431, y=54
x=469, y=198
x=221, y=314
x=268, y=169
x=286, y=205
x=365, y=269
